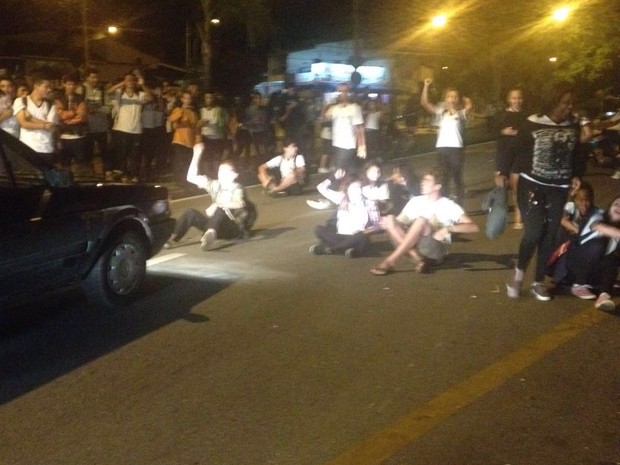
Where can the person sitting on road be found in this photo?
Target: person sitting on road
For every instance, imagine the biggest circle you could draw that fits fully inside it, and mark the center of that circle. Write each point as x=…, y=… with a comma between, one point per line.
x=230, y=214
x=402, y=185
x=291, y=174
x=347, y=231
x=575, y=260
x=609, y=227
x=375, y=192
x=424, y=228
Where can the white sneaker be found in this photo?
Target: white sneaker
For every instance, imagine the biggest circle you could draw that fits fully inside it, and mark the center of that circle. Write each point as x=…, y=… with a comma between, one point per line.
x=323, y=170
x=616, y=175
x=605, y=303
x=513, y=287
x=207, y=239
x=322, y=204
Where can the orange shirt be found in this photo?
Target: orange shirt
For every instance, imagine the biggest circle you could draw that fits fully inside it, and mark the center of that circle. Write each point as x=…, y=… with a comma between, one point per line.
x=185, y=124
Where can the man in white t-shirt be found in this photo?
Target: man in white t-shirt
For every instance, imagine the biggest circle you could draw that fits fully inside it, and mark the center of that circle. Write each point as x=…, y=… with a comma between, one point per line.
x=292, y=172
x=127, y=129
x=424, y=227
x=451, y=116
x=37, y=117
x=348, y=137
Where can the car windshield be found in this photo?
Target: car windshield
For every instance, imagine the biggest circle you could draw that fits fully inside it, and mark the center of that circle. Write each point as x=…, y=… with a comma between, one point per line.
x=24, y=173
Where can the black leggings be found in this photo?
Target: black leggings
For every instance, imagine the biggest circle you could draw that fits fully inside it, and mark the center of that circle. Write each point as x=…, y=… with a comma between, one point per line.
x=609, y=271
x=541, y=208
x=341, y=242
x=223, y=225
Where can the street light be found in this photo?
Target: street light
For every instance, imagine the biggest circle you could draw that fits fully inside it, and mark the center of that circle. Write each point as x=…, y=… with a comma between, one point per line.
x=439, y=20
x=560, y=14
x=112, y=30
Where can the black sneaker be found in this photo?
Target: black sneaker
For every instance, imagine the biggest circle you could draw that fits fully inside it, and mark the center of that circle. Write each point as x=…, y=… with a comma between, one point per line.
x=316, y=249
x=320, y=249
x=350, y=253
x=541, y=293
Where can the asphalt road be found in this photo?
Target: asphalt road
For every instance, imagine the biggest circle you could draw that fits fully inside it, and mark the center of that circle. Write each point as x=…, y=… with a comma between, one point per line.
x=259, y=353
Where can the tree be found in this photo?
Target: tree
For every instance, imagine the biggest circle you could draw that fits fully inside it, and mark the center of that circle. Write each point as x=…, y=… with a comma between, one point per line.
x=253, y=15
x=496, y=43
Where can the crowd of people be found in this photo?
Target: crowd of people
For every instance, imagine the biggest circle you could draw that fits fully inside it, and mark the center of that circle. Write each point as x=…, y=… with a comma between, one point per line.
x=141, y=128
x=138, y=128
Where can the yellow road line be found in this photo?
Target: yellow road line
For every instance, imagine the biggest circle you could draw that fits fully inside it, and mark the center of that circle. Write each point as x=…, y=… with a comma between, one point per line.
x=384, y=444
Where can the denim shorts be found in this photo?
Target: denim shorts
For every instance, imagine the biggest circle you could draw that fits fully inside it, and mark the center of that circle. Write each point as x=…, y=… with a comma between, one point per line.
x=429, y=247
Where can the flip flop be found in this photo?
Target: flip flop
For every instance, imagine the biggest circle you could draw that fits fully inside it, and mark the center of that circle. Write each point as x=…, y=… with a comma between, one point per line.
x=421, y=266
x=381, y=271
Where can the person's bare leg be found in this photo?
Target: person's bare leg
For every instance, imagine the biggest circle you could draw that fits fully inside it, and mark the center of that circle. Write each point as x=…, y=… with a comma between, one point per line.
x=417, y=229
x=265, y=179
x=286, y=182
x=397, y=235
x=514, y=179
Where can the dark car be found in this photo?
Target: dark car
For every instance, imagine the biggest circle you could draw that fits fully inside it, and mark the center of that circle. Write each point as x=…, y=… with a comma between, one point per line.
x=56, y=232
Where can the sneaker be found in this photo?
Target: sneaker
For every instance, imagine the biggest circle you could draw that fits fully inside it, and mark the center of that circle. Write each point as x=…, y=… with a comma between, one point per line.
x=168, y=245
x=582, y=291
x=319, y=249
x=350, y=253
x=316, y=249
x=616, y=175
x=323, y=170
x=321, y=204
x=513, y=287
x=207, y=239
x=605, y=303
x=539, y=291
x=277, y=194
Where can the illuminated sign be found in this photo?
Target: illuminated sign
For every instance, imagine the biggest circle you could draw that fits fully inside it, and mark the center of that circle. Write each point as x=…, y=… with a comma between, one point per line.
x=339, y=72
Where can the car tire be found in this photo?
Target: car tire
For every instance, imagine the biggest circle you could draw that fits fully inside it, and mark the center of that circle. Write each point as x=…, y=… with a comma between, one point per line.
x=118, y=274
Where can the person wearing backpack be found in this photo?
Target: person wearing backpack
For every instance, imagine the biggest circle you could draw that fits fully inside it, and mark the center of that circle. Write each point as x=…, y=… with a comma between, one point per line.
x=284, y=174
x=37, y=117
x=230, y=214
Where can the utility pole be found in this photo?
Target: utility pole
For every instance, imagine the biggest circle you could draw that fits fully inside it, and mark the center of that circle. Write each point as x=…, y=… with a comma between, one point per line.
x=356, y=59
x=85, y=33
x=205, y=39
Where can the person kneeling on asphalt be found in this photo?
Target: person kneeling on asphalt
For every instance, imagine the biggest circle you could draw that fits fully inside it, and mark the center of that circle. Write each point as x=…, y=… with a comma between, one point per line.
x=292, y=172
x=424, y=228
x=230, y=214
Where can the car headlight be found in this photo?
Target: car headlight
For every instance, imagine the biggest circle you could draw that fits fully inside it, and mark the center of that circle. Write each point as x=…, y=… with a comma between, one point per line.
x=160, y=207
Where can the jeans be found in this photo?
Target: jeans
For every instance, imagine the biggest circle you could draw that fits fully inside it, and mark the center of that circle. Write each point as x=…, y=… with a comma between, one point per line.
x=127, y=152
x=541, y=208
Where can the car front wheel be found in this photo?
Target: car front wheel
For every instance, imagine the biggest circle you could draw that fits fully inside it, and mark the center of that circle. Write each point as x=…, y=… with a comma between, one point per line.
x=118, y=274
